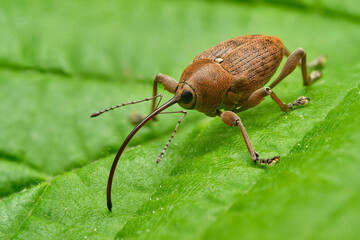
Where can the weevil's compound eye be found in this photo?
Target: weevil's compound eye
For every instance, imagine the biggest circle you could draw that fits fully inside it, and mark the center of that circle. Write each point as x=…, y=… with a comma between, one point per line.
x=186, y=97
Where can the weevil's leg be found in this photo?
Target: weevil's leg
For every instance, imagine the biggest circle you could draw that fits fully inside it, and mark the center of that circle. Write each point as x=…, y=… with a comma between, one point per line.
x=285, y=107
x=291, y=63
x=254, y=99
x=288, y=53
x=172, y=135
x=168, y=82
x=170, y=85
x=231, y=119
x=261, y=93
x=317, y=62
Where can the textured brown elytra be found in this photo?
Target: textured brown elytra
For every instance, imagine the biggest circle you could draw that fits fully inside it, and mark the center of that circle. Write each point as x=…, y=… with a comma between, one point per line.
x=229, y=76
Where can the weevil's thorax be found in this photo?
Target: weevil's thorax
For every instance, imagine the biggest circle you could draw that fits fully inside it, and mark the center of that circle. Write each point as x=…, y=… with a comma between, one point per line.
x=208, y=82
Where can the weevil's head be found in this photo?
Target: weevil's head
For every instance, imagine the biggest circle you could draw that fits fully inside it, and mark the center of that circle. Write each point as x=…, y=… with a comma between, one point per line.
x=203, y=86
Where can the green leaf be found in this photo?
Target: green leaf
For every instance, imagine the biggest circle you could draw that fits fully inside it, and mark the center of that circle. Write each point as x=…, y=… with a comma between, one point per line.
x=62, y=61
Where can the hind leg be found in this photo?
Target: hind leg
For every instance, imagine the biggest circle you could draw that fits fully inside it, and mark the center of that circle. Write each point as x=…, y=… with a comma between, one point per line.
x=299, y=57
x=231, y=119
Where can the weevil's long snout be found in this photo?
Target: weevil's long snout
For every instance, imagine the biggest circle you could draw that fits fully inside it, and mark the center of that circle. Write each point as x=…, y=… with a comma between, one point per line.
x=172, y=101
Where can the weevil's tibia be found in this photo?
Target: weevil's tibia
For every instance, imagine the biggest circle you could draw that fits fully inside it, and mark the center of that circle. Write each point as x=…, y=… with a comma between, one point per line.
x=172, y=136
x=231, y=119
x=285, y=107
x=124, y=104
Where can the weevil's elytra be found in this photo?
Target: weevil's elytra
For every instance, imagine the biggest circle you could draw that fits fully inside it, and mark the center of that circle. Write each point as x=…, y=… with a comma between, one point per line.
x=229, y=76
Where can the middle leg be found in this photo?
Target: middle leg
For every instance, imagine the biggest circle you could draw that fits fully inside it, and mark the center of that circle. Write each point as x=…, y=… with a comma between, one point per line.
x=260, y=94
x=231, y=119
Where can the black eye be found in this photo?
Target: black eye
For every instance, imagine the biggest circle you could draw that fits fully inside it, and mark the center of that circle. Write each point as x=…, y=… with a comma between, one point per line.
x=186, y=96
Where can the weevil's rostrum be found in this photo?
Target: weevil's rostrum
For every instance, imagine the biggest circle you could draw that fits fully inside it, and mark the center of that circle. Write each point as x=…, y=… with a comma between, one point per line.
x=229, y=76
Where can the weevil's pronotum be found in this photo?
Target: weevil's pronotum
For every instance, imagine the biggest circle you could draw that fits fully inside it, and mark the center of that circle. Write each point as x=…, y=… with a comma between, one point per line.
x=229, y=76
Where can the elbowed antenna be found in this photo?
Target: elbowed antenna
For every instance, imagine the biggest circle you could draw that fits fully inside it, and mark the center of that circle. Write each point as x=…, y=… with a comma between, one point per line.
x=124, y=104
x=127, y=140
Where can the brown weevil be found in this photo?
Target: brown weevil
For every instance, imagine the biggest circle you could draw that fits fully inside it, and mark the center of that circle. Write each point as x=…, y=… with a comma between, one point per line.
x=229, y=76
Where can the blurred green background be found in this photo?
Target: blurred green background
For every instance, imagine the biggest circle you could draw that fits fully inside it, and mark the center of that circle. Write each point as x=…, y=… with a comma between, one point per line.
x=60, y=61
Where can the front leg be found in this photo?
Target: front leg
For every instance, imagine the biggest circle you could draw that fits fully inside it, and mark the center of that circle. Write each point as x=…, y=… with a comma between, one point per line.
x=231, y=119
x=170, y=85
x=168, y=82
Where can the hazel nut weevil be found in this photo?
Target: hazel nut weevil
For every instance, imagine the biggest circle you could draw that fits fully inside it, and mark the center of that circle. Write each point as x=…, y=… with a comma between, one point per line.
x=229, y=76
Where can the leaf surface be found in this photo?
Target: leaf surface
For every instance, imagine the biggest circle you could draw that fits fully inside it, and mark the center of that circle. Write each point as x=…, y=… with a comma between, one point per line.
x=60, y=62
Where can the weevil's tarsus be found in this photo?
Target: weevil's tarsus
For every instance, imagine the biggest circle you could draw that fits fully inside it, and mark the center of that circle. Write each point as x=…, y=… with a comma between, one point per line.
x=231, y=119
x=136, y=118
x=314, y=75
x=172, y=135
x=124, y=104
x=300, y=101
x=172, y=101
x=317, y=62
x=269, y=161
x=285, y=107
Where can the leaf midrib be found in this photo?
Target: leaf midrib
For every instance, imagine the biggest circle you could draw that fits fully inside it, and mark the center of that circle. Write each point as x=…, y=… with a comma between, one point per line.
x=33, y=208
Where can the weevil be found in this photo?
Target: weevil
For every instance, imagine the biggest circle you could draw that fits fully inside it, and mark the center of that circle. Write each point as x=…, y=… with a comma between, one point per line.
x=226, y=79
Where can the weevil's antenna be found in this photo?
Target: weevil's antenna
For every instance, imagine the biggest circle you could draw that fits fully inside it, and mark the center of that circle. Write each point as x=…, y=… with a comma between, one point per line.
x=124, y=104
x=172, y=136
x=127, y=140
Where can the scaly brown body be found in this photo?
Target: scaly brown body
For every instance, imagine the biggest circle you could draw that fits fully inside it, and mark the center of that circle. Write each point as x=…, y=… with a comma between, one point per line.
x=247, y=64
x=230, y=76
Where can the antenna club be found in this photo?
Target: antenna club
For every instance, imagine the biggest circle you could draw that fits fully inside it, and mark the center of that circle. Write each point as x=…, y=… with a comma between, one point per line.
x=95, y=114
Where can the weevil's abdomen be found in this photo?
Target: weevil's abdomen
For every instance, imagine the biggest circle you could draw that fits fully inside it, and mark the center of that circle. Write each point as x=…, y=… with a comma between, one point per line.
x=254, y=62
